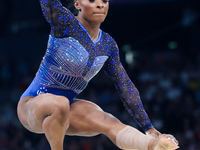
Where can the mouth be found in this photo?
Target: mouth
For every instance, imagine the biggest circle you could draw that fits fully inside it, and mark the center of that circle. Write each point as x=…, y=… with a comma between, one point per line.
x=99, y=13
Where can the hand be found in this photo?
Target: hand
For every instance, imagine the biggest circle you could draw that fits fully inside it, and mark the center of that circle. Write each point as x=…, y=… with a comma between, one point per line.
x=167, y=141
x=153, y=133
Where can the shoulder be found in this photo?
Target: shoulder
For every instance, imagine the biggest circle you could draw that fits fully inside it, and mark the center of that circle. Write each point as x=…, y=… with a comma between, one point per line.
x=109, y=39
x=108, y=36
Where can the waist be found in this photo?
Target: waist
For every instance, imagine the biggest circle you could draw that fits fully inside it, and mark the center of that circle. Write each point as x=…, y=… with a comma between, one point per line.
x=35, y=88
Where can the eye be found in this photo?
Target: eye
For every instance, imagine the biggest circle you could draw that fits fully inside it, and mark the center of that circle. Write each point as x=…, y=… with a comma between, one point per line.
x=105, y=1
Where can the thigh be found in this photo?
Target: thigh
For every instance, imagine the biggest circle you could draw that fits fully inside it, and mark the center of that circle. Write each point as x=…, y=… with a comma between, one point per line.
x=88, y=119
x=33, y=110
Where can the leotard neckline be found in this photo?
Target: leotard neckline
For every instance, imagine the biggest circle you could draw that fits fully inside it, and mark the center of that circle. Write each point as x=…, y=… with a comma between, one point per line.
x=94, y=42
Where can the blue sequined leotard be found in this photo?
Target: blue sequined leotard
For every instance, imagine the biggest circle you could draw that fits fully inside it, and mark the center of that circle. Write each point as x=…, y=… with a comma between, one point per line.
x=72, y=59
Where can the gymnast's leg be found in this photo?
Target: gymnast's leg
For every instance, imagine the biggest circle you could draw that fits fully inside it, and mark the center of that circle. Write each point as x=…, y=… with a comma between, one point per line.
x=87, y=119
x=46, y=113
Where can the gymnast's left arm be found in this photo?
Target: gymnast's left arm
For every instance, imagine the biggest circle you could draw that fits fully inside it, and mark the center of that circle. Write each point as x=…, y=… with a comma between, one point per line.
x=128, y=93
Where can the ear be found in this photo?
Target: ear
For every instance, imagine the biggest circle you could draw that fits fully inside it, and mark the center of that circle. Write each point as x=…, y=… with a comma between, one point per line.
x=76, y=4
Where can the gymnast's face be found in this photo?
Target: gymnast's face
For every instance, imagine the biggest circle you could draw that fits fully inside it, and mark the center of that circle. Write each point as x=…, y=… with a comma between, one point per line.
x=93, y=11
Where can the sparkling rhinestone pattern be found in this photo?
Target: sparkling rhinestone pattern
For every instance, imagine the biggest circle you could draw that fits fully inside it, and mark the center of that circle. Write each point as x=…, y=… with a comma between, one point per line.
x=64, y=64
x=73, y=58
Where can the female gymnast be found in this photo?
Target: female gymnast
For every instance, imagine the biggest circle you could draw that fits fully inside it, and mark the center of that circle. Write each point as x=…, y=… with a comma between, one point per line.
x=77, y=49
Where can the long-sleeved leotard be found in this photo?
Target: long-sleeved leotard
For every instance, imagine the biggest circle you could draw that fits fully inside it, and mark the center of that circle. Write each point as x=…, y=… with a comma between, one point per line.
x=72, y=59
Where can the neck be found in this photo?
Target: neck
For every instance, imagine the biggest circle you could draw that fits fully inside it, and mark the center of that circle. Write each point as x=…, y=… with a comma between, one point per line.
x=92, y=28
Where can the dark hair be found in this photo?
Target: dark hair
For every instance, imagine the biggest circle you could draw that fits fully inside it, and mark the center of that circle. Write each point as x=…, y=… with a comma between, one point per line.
x=69, y=4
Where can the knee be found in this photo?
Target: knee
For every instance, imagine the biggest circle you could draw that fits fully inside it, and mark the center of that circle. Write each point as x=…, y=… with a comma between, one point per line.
x=61, y=106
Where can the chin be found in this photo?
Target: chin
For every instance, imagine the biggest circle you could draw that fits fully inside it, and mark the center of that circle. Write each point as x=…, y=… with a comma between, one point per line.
x=100, y=20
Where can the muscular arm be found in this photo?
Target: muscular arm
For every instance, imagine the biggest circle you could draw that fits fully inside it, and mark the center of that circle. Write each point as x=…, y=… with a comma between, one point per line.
x=59, y=17
x=127, y=90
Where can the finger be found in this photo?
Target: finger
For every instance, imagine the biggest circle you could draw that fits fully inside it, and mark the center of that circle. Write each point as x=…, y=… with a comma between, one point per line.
x=166, y=142
x=173, y=139
x=173, y=142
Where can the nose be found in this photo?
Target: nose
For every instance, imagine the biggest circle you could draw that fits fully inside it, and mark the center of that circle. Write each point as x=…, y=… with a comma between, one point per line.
x=100, y=4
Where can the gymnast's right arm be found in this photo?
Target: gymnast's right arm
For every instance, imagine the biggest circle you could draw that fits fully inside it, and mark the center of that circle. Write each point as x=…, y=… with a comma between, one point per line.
x=57, y=16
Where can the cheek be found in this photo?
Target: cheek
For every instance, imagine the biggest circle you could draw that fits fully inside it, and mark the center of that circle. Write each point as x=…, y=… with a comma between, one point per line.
x=87, y=10
x=107, y=8
x=86, y=5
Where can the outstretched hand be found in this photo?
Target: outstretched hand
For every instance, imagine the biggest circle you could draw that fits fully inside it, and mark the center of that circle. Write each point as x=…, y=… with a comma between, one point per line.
x=166, y=142
x=165, y=139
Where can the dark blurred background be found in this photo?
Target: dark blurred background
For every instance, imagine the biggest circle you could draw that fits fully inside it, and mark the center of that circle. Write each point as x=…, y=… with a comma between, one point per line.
x=159, y=42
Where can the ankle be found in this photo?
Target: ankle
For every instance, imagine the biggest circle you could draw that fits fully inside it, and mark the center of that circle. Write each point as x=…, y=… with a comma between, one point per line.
x=153, y=143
